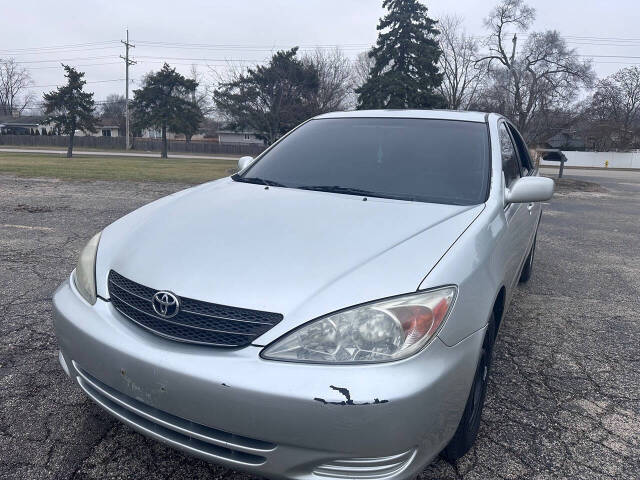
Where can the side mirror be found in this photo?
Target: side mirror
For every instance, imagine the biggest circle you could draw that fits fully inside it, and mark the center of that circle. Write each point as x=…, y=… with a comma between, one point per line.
x=244, y=162
x=529, y=189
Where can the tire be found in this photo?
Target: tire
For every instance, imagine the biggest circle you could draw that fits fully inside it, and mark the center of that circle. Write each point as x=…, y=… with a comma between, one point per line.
x=467, y=430
x=525, y=275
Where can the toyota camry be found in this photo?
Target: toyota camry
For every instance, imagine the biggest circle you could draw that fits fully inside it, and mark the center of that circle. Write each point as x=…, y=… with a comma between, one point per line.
x=329, y=311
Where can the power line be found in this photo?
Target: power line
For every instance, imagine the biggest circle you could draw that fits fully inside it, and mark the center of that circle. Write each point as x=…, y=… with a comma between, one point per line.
x=263, y=48
x=237, y=45
x=254, y=49
x=104, y=43
x=571, y=37
x=599, y=40
x=96, y=102
x=203, y=64
x=56, y=47
x=623, y=39
x=609, y=56
x=617, y=63
x=204, y=59
x=95, y=81
x=66, y=59
x=251, y=60
x=78, y=65
x=61, y=52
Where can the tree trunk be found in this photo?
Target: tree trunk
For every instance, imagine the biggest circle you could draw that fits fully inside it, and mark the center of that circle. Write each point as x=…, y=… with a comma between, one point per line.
x=164, y=141
x=70, y=149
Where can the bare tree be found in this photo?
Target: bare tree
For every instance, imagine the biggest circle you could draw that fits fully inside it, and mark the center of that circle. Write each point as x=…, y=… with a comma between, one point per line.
x=113, y=111
x=542, y=76
x=203, y=93
x=463, y=71
x=14, y=83
x=362, y=68
x=335, y=90
x=615, y=110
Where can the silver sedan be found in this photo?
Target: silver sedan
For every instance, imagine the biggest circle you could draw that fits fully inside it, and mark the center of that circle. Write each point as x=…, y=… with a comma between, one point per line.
x=328, y=312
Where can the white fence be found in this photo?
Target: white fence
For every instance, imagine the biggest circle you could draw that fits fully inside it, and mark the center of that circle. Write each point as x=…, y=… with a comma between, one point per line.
x=599, y=159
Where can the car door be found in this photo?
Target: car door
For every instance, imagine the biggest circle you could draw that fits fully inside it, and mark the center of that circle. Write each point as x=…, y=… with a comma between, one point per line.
x=526, y=169
x=516, y=214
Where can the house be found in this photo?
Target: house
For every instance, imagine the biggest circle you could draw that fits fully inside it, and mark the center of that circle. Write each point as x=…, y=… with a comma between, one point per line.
x=37, y=126
x=101, y=131
x=209, y=133
x=157, y=133
x=230, y=136
x=566, y=140
x=32, y=125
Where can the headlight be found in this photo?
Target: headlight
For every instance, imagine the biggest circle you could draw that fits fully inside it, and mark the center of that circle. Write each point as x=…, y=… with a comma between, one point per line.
x=85, y=276
x=376, y=332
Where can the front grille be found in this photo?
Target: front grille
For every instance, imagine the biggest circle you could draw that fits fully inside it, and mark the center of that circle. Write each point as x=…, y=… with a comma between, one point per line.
x=206, y=442
x=196, y=322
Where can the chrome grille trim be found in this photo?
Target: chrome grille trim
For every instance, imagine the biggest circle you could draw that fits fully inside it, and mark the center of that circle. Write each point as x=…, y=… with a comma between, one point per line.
x=196, y=438
x=130, y=292
x=224, y=318
x=197, y=322
x=366, y=468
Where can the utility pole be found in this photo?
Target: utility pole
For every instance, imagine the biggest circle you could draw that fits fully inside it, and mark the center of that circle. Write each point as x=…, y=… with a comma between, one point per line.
x=512, y=60
x=127, y=63
x=514, y=40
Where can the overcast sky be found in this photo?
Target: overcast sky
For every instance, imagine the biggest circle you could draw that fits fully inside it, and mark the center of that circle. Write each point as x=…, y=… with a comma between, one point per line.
x=248, y=30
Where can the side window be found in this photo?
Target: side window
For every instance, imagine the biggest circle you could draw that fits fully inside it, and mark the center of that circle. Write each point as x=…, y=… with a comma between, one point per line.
x=523, y=152
x=510, y=162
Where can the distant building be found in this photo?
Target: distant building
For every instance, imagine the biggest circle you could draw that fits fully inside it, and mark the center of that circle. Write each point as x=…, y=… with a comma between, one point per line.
x=157, y=134
x=229, y=136
x=153, y=133
x=24, y=126
x=101, y=131
x=209, y=135
x=37, y=126
x=566, y=140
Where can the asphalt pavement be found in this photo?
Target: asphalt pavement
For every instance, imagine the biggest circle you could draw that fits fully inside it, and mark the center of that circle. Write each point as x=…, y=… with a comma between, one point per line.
x=564, y=396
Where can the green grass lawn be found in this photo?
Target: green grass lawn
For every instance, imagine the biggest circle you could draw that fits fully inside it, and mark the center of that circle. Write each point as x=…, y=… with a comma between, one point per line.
x=155, y=153
x=93, y=167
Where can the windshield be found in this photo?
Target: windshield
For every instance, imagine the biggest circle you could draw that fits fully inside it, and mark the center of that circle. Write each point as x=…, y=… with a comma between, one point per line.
x=437, y=161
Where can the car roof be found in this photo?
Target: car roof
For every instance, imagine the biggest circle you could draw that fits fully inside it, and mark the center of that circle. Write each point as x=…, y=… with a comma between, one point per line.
x=428, y=114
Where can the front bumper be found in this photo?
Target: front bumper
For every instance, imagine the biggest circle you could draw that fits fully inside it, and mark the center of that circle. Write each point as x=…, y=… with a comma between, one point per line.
x=276, y=419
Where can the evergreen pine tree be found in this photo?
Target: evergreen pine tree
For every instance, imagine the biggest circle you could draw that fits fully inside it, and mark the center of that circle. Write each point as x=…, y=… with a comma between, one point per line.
x=70, y=108
x=164, y=102
x=405, y=72
x=271, y=99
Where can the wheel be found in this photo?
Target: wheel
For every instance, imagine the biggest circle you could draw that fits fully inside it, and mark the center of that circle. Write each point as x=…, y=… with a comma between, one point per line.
x=469, y=424
x=528, y=264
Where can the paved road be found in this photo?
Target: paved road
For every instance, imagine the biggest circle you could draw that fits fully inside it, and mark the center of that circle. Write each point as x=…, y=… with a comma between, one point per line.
x=598, y=174
x=563, y=402
x=119, y=154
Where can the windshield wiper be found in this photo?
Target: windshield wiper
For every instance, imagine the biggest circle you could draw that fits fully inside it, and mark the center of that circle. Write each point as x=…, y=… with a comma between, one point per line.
x=258, y=181
x=354, y=191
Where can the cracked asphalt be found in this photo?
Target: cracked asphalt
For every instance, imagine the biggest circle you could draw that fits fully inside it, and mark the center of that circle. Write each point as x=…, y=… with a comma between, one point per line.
x=563, y=400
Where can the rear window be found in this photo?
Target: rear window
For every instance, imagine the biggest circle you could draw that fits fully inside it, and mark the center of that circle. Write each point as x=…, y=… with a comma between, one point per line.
x=437, y=161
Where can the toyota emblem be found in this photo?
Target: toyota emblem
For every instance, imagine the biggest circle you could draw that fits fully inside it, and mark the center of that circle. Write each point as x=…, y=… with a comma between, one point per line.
x=166, y=304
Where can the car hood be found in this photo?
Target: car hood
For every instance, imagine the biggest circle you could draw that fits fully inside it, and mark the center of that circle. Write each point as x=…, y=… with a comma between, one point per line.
x=295, y=252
